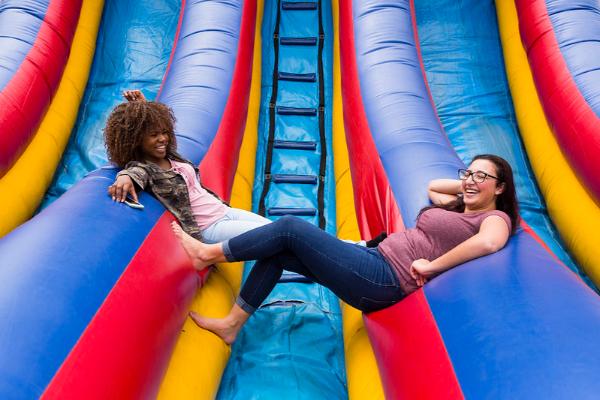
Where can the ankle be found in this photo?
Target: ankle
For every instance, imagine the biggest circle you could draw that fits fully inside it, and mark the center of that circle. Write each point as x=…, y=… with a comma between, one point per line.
x=215, y=251
x=232, y=322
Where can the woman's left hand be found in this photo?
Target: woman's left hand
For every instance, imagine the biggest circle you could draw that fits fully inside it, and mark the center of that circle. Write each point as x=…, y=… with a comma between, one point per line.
x=420, y=272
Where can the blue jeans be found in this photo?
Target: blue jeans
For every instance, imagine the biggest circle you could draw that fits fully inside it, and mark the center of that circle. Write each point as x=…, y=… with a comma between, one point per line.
x=358, y=275
x=234, y=223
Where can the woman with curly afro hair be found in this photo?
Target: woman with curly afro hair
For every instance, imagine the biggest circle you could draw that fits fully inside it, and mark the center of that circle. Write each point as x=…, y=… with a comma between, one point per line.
x=140, y=138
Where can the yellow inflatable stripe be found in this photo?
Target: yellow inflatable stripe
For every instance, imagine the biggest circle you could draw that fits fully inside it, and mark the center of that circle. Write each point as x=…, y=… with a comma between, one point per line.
x=199, y=358
x=23, y=187
x=361, y=368
x=571, y=208
x=363, y=377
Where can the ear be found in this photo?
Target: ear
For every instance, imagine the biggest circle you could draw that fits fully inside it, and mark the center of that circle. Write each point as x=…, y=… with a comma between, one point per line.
x=500, y=188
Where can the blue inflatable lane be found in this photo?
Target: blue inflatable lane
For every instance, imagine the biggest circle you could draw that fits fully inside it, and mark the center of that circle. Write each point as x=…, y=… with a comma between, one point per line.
x=410, y=135
x=536, y=326
x=463, y=60
x=292, y=346
x=51, y=294
x=514, y=324
x=207, y=46
x=132, y=51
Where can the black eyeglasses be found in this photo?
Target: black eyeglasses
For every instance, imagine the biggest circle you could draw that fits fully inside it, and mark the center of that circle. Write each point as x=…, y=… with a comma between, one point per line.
x=478, y=176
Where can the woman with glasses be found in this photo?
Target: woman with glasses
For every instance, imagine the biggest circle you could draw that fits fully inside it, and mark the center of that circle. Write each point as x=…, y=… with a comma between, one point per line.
x=470, y=217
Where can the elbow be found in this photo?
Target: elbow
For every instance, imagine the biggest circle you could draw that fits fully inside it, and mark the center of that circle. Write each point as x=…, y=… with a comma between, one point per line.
x=431, y=196
x=491, y=246
x=434, y=196
x=431, y=187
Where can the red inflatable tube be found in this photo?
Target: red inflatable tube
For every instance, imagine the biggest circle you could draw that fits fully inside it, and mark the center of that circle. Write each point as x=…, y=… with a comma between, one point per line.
x=575, y=125
x=406, y=331
x=403, y=334
x=376, y=208
x=25, y=98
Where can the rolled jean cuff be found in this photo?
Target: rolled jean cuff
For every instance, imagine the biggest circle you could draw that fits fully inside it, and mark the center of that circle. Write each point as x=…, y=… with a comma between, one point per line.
x=227, y=252
x=245, y=306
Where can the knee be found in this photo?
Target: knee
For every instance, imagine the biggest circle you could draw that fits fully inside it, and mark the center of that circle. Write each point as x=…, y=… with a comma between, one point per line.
x=289, y=223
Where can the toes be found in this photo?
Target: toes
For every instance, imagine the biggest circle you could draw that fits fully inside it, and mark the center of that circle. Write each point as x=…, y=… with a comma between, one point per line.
x=176, y=228
x=195, y=317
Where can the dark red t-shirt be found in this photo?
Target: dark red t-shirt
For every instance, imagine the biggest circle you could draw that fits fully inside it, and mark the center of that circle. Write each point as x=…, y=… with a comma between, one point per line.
x=437, y=232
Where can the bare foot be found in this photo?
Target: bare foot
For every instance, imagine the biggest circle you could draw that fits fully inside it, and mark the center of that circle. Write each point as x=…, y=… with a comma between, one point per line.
x=195, y=249
x=221, y=327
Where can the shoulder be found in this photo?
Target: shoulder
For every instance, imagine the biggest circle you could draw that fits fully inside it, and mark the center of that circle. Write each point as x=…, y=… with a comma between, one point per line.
x=134, y=164
x=141, y=169
x=136, y=168
x=146, y=166
x=497, y=215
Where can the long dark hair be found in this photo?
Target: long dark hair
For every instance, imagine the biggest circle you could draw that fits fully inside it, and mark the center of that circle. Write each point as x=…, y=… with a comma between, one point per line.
x=506, y=201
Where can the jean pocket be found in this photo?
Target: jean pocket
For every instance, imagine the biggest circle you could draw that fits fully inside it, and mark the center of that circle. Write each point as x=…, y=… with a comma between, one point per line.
x=369, y=305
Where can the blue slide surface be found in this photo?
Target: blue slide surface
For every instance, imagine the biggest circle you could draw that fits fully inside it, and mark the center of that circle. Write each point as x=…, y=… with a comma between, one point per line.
x=132, y=51
x=292, y=345
x=515, y=323
x=462, y=56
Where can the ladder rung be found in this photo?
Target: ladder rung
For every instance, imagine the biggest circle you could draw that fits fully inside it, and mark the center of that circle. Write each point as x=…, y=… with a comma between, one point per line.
x=296, y=111
x=283, y=178
x=290, y=144
x=307, y=41
x=288, y=76
x=304, y=212
x=299, y=5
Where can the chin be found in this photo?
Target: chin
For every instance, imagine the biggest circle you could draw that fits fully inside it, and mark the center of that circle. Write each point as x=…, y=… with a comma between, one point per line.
x=469, y=201
x=474, y=203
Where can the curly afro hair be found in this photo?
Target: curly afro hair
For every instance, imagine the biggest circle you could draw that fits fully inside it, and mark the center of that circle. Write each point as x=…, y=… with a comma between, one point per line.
x=127, y=125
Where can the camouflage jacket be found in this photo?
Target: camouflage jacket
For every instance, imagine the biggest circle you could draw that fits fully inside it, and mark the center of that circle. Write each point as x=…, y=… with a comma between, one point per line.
x=169, y=188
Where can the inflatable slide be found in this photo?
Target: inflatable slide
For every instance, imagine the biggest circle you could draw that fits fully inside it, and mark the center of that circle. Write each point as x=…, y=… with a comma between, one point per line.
x=339, y=113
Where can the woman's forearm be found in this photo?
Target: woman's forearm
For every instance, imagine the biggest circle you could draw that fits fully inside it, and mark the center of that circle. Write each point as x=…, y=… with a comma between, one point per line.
x=137, y=174
x=446, y=186
x=474, y=247
x=443, y=191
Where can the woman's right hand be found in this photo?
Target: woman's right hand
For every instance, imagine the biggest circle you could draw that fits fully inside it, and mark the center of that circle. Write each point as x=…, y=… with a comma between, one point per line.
x=420, y=272
x=121, y=188
x=134, y=95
